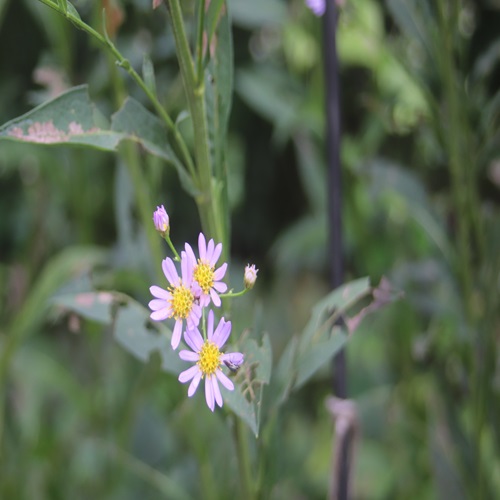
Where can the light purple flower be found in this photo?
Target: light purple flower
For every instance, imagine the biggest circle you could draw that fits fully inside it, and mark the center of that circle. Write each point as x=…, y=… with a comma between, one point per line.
x=178, y=301
x=208, y=360
x=204, y=272
x=317, y=6
x=161, y=220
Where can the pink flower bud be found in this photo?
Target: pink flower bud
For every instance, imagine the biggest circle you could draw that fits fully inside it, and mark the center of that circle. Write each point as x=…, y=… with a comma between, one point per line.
x=161, y=221
x=250, y=276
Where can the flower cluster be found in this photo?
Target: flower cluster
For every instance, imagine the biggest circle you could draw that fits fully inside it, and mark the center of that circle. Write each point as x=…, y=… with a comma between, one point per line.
x=198, y=285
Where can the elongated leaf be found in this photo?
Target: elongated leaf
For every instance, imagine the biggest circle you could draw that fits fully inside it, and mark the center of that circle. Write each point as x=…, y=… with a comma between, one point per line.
x=72, y=118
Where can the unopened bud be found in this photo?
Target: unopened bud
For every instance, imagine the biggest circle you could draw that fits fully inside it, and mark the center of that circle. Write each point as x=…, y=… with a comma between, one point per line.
x=161, y=221
x=250, y=276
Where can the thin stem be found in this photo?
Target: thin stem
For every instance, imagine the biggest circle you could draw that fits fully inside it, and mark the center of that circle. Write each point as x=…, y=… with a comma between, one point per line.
x=240, y=435
x=199, y=51
x=231, y=294
x=171, y=245
x=125, y=64
x=195, y=93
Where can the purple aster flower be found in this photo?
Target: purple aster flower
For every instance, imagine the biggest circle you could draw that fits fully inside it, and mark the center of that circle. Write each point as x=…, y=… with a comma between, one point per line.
x=161, y=221
x=204, y=272
x=178, y=301
x=208, y=360
x=317, y=6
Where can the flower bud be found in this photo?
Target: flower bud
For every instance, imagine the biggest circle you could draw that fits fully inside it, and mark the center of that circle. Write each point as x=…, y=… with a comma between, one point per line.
x=250, y=276
x=161, y=221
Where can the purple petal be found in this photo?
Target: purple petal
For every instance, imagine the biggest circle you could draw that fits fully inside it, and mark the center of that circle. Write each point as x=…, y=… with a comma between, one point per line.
x=202, y=246
x=217, y=394
x=210, y=250
x=186, y=269
x=226, y=382
x=216, y=254
x=189, y=356
x=190, y=254
x=209, y=394
x=210, y=324
x=220, y=286
x=170, y=271
x=188, y=374
x=194, y=339
x=159, y=293
x=222, y=334
x=176, y=335
x=234, y=358
x=219, y=273
x=204, y=300
x=160, y=315
x=157, y=304
x=215, y=298
x=194, y=383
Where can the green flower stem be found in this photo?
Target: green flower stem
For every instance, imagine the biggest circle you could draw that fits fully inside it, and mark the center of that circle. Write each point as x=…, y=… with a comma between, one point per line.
x=195, y=93
x=132, y=161
x=199, y=51
x=231, y=294
x=125, y=64
x=171, y=245
x=241, y=440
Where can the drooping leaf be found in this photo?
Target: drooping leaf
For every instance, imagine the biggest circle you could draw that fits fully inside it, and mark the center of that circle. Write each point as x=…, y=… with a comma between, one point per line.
x=72, y=118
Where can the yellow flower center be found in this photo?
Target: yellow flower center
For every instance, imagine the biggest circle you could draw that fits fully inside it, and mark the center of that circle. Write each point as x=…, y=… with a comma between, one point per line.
x=209, y=358
x=182, y=302
x=204, y=276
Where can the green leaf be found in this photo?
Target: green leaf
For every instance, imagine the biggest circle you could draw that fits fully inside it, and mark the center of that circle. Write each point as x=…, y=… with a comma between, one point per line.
x=132, y=327
x=148, y=73
x=246, y=399
x=321, y=338
x=72, y=118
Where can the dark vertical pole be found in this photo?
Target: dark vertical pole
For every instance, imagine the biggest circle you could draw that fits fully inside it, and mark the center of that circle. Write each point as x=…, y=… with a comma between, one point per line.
x=332, y=98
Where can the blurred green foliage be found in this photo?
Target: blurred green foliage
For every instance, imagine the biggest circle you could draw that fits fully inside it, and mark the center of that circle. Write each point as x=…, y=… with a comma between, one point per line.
x=420, y=107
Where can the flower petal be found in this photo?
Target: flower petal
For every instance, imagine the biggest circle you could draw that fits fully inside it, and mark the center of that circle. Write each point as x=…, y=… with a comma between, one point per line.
x=210, y=324
x=189, y=356
x=209, y=394
x=157, y=304
x=170, y=271
x=160, y=315
x=188, y=374
x=220, y=286
x=159, y=292
x=194, y=339
x=216, y=254
x=210, y=250
x=225, y=381
x=194, y=383
x=222, y=333
x=220, y=273
x=190, y=254
x=176, y=335
x=215, y=298
x=202, y=246
x=217, y=394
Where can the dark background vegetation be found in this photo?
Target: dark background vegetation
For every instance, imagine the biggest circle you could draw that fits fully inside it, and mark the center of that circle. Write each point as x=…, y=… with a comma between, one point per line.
x=82, y=419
